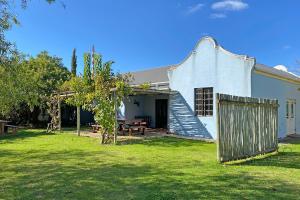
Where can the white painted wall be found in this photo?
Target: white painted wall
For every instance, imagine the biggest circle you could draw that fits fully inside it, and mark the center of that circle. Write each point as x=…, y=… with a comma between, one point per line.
x=146, y=107
x=209, y=65
x=268, y=87
x=132, y=110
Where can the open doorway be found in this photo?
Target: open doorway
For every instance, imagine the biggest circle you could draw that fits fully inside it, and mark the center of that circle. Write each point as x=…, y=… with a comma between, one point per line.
x=161, y=113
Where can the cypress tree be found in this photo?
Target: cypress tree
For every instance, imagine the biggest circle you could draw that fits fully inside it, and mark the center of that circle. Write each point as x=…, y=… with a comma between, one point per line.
x=97, y=58
x=87, y=69
x=74, y=63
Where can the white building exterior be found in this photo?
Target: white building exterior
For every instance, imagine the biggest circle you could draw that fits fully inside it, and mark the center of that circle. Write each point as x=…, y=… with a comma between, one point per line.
x=211, y=69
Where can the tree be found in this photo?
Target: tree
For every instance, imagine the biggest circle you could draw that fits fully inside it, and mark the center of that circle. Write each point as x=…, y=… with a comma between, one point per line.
x=110, y=89
x=48, y=73
x=97, y=63
x=102, y=97
x=28, y=83
x=17, y=85
x=87, y=76
x=13, y=86
x=80, y=95
x=74, y=63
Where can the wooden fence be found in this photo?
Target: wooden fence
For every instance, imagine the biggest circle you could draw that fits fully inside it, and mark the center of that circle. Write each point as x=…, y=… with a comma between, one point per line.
x=246, y=127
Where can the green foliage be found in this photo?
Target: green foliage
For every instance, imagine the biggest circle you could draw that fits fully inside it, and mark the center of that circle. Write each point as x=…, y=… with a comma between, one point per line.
x=80, y=91
x=110, y=90
x=30, y=81
x=19, y=86
x=74, y=63
x=97, y=63
x=98, y=97
x=14, y=87
x=144, y=86
x=48, y=72
x=87, y=76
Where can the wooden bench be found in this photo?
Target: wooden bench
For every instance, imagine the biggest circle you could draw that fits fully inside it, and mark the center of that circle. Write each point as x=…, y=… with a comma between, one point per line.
x=96, y=128
x=14, y=128
x=138, y=128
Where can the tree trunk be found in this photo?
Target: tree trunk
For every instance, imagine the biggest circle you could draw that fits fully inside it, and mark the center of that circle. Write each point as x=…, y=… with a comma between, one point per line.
x=102, y=138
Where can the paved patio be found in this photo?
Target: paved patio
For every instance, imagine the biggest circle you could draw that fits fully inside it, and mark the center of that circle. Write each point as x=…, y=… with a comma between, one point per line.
x=149, y=133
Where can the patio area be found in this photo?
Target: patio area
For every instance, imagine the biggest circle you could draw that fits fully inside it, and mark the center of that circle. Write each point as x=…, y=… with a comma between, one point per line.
x=149, y=133
x=151, y=106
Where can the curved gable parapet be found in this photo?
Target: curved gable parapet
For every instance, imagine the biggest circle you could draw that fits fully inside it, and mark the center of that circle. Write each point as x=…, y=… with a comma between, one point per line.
x=210, y=65
x=212, y=40
x=216, y=46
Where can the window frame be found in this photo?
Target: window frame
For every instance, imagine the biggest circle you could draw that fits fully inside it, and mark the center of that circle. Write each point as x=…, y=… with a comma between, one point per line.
x=204, y=105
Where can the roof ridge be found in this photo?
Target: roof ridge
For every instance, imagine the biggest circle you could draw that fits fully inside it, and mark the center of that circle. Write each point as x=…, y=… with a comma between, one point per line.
x=153, y=68
x=276, y=72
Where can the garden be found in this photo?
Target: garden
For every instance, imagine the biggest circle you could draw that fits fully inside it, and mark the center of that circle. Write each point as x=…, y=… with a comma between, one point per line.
x=37, y=165
x=55, y=163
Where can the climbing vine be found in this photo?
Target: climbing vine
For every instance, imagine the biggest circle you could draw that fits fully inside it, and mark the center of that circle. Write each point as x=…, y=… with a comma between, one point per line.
x=53, y=111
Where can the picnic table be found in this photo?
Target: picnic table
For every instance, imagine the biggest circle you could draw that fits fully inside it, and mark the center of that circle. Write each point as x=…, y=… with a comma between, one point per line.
x=132, y=125
x=125, y=125
x=96, y=128
x=3, y=123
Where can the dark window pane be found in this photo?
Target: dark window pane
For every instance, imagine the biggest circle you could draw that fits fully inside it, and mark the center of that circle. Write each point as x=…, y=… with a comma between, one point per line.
x=203, y=101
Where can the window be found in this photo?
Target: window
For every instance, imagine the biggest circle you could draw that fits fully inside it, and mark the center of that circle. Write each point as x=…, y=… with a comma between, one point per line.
x=292, y=110
x=204, y=101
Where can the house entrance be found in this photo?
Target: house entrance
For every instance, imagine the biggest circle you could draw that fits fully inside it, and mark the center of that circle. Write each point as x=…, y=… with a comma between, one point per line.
x=161, y=113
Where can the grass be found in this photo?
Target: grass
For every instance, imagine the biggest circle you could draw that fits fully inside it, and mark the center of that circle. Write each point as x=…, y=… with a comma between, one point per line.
x=34, y=165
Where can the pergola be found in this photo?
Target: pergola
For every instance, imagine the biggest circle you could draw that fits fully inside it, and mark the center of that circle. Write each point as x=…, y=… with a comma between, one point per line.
x=61, y=96
x=135, y=91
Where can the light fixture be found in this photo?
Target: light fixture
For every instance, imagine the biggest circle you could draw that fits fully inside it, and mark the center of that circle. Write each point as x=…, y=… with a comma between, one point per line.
x=136, y=103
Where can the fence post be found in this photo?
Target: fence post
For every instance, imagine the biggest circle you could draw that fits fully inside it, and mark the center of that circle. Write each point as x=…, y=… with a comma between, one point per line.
x=218, y=127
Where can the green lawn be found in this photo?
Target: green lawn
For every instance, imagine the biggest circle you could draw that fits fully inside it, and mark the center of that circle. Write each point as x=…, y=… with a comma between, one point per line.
x=34, y=165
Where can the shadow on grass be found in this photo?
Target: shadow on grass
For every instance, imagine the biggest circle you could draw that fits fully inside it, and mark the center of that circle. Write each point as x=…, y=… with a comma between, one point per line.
x=282, y=159
x=162, y=142
x=84, y=175
x=23, y=134
x=287, y=157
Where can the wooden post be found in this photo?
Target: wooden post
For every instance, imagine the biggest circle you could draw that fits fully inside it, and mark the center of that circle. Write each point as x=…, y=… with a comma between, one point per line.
x=116, y=118
x=78, y=120
x=59, y=113
x=1, y=128
x=218, y=127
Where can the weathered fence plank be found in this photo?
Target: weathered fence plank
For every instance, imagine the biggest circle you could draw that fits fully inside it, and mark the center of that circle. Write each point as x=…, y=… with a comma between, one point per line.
x=245, y=127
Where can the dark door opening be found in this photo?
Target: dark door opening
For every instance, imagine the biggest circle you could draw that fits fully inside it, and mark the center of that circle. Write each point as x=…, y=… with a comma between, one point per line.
x=161, y=113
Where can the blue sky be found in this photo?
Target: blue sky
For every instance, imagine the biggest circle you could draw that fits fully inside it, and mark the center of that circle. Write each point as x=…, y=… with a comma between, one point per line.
x=140, y=34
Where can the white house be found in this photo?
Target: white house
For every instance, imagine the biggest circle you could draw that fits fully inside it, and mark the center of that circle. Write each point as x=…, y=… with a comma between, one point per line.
x=183, y=95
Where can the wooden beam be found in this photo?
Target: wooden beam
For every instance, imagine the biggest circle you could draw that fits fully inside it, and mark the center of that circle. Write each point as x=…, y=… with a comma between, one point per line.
x=116, y=118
